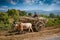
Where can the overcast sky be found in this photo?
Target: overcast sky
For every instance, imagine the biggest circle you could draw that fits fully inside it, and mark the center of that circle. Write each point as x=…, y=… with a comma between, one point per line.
x=45, y=5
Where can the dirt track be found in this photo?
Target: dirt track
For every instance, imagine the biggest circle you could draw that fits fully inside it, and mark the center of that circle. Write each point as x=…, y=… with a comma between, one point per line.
x=46, y=34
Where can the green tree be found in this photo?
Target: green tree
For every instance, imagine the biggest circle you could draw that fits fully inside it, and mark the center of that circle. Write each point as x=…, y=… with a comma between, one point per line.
x=57, y=16
x=4, y=17
x=51, y=15
x=4, y=20
x=29, y=14
x=23, y=13
x=14, y=14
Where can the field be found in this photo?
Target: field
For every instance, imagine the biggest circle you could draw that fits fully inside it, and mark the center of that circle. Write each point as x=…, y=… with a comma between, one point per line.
x=41, y=35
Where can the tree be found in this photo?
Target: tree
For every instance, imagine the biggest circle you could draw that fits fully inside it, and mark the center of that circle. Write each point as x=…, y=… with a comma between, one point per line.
x=4, y=17
x=14, y=14
x=51, y=15
x=29, y=14
x=57, y=16
x=23, y=13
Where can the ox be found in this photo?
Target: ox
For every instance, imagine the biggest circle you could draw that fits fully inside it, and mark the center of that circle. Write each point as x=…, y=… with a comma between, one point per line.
x=21, y=26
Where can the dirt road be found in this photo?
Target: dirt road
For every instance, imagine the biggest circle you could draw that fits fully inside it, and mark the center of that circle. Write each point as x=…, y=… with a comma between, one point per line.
x=46, y=34
x=52, y=37
x=53, y=34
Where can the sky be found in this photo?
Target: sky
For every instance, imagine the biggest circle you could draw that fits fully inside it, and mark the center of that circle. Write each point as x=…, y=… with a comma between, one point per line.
x=45, y=5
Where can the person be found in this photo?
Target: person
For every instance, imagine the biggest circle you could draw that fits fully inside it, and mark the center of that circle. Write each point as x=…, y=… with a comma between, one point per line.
x=35, y=15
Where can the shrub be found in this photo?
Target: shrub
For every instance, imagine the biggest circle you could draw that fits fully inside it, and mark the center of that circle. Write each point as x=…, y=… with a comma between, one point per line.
x=56, y=21
x=50, y=23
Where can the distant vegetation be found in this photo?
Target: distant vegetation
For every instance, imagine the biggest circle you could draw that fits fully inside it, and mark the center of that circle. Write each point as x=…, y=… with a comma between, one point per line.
x=12, y=15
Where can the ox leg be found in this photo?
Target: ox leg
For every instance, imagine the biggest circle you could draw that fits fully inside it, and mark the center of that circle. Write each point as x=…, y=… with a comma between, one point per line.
x=31, y=29
x=15, y=28
x=21, y=29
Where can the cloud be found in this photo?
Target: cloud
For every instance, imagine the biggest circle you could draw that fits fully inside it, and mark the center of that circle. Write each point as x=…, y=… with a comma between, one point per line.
x=51, y=7
x=46, y=5
x=56, y=1
x=13, y=2
x=38, y=2
x=41, y=3
x=30, y=2
x=3, y=8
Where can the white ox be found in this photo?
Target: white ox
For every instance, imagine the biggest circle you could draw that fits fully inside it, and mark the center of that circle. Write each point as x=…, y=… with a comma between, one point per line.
x=21, y=26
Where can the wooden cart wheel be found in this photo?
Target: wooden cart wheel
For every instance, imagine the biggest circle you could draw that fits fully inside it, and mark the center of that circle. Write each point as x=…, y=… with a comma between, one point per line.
x=39, y=26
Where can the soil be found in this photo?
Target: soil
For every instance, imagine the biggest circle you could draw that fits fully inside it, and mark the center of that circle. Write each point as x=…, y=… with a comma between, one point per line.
x=49, y=33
